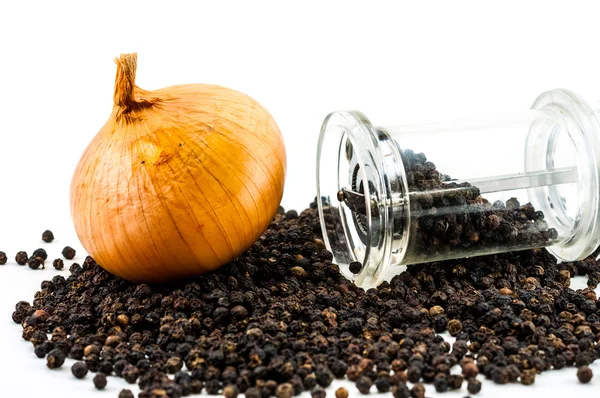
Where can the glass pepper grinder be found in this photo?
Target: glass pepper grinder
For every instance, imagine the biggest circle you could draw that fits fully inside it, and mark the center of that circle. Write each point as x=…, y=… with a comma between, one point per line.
x=397, y=195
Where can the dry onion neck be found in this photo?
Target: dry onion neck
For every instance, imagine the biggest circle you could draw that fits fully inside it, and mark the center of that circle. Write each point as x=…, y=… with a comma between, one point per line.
x=128, y=97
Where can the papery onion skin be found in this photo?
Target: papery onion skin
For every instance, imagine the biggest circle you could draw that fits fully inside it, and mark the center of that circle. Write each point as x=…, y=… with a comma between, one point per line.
x=179, y=181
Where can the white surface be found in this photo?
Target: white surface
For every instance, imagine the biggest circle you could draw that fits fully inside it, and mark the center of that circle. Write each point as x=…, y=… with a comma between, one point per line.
x=300, y=60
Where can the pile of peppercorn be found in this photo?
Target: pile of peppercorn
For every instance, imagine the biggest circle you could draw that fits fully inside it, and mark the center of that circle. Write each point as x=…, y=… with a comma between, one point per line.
x=281, y=319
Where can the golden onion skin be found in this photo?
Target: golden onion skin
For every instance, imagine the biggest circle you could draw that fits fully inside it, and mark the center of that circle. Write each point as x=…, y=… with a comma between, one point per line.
x=179, y=181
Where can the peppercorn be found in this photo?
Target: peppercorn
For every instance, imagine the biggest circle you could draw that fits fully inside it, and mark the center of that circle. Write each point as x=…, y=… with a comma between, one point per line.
x=196, y=386
x=284, y=390
x=309, y=381
x=68, y=252
x=21, y=258
x=470, y=370
x=440, y=382
x=100, y=381
x=455, y=382
x=42, y=349
x=355, y=267
x=58, y=264
x=584, y=374
x=125, y=393
x=454, y=327
x=3, y=258
x=324, y=376
x=316, y=393
x=400, y=391
x=47, y=236
x=528, y=377
x=413, y=374
x=130, y=373
x=417, y=391
x=363, y=384
x=35, y=262
x=341, y=393
x=473, y=386
x=55, y=359
x=230, y=391
x=79, y=369
x=213, y=386
x=174, y=365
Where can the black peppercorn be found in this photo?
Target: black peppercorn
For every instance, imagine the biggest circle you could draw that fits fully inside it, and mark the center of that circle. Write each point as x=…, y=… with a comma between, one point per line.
x=400, y=391
x=68, y=252
x=363, y=384
x=355, y=267
x=316, y=393
x=55, y=359
x=213, y=386
x=125, y=393
x=440, y=382
x=79, y=369
x=35, y=262
x=418, y=391
x=324, y=376
x=584, y=374
x=473, y=386
x=3, y=258
x=100, y=381
x=413, y=373
x=58, y=264
x=42, y=349
x=40, y=253
x=47, y=236
x=284, y=390
x=130, y=373
x=230, y=391
x=21, y=258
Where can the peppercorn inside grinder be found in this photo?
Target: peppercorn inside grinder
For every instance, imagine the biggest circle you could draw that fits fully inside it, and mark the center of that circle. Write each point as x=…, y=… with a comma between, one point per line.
x=397, y=195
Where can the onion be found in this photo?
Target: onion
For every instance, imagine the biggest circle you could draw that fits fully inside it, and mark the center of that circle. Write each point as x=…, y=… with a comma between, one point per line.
x=179, y=181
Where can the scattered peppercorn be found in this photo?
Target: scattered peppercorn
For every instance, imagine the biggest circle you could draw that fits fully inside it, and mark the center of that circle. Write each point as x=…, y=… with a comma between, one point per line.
x=125, y=393
x=454, y=327
x=68, y=252
x=40, y=253
x=470, y=370
x=55, y=358
x=584, y=374
x=100, y=381
x=35, y=262
x=58, y=264
x=440, y=382
x=355, y=267
x=230, y=391
x=79, y=369
x=417, y=391
x=341, y=393
x=528, y=377
x=364, y=384
x=47, y=236
x=474, y=386
x=316, y=393
x=284, y=390
x=3, y=258
x=401, y=391
x=21, y=258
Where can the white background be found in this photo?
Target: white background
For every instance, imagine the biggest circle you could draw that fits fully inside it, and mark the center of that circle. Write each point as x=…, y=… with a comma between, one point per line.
x=399, y=61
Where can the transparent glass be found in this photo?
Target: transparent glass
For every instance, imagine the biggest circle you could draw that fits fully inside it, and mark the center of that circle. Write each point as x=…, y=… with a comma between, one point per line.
x=397, y=195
